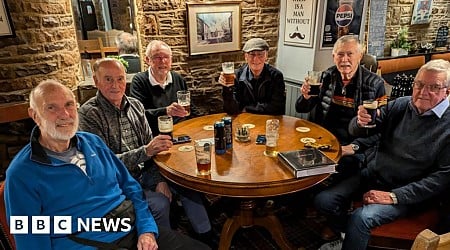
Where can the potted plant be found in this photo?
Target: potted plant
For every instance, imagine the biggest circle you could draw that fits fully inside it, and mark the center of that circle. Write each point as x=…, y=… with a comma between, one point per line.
x=400, y=46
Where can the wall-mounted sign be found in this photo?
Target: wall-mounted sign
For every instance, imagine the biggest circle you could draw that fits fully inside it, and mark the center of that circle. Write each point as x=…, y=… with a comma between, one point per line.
x=342, y=17
x=299, y=22
x=6, y=27
x=422, y=12
x=441, y=37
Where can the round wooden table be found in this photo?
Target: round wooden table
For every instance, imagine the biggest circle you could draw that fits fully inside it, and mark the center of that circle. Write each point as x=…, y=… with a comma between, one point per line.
x=244, y=172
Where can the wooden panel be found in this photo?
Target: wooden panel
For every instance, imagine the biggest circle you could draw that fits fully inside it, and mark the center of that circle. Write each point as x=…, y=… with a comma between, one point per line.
x=10, y=112
x=445, y=56
x=401, y=64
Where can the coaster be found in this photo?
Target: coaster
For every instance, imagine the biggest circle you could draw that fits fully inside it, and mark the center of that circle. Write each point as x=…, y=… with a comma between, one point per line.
x=308, y=140
x=303, y=129
x=185, y=148
x=208, y=127
x=248, y=125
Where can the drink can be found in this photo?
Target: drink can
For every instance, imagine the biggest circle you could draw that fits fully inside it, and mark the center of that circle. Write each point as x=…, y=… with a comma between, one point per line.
x=219, y=137
x=228, y=132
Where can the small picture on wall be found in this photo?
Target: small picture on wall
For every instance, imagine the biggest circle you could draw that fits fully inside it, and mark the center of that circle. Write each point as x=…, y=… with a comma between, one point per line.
x=6, y=27
x=422, y=12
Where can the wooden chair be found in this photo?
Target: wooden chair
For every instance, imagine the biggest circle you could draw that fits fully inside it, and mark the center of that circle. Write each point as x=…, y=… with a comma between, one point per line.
x=428, y=240
x=4, y=229
x=90, y=47
x=369, y=62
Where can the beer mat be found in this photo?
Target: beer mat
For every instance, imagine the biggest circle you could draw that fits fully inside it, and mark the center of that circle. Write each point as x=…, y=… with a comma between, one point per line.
x=208, y=127
x=308, y=140
x=185, y=148
x=303, y=129
x=248, y=125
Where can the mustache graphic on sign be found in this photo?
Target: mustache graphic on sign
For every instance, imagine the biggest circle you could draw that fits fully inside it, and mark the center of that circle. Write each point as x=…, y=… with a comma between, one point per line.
x=298, y=35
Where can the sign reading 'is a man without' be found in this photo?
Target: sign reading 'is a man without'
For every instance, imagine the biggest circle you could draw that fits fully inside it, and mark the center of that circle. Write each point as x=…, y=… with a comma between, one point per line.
x=299, y=22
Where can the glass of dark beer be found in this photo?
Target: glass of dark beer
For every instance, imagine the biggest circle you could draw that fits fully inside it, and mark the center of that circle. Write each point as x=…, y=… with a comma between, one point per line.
x=314, y=82
x=203, y=157
x=228, y=72
x=371, y=107
x=184, y=99
x=165, y=125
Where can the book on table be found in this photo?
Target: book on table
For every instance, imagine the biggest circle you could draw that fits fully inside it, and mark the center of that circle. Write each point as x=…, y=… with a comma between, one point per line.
x=307, y=162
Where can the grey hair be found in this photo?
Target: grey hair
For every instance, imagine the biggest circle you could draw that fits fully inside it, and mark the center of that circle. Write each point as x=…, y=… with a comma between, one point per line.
x=44, y=86
x=155, y=43
x=99, y=62
x=347, y=39
x=126, y=43
x=439, y=66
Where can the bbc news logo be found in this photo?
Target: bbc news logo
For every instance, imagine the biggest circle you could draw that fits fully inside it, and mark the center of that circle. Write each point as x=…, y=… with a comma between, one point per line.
x=63, y=225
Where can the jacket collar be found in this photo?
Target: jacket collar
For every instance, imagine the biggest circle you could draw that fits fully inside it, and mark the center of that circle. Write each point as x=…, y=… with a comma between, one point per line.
x=37, y=151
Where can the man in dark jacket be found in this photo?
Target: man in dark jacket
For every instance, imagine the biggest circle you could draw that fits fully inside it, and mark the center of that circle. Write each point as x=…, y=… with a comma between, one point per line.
x=258, y=87
x=344, y=87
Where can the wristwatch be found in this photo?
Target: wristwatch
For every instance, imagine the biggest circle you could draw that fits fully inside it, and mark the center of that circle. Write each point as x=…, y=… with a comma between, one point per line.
x=355, y=147
x=393, y=197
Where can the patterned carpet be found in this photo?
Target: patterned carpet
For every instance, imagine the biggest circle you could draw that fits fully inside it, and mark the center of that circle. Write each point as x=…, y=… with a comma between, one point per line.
x=302, y=232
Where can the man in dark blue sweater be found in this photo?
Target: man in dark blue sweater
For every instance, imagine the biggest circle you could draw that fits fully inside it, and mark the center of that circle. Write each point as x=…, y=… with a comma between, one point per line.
x=411, y=166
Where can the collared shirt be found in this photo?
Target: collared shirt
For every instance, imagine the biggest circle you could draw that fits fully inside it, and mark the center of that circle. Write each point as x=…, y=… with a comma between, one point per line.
x=153, y=81
x=438, y=110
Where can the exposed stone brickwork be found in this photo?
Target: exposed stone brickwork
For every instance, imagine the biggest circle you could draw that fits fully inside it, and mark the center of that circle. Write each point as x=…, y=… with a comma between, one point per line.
x=166, y=20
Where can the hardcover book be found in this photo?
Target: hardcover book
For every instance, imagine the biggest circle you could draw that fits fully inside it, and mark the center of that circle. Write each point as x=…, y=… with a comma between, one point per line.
x=307, y=162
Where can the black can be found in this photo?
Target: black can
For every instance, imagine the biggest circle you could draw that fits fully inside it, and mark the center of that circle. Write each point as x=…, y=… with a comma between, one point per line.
x=219, y=137
x=228, y=123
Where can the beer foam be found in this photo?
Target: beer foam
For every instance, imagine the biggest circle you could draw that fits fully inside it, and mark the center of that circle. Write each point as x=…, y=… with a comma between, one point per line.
x=370, y=105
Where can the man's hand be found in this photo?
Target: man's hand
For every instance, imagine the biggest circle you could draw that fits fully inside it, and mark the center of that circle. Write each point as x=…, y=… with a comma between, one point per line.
x=158, y=144
x=377, y=197
x=163, y=188
x=223, y=82
x=347, y=150
x=176, y=109
x=305, y=89
x=147, y=241
x=363, y=117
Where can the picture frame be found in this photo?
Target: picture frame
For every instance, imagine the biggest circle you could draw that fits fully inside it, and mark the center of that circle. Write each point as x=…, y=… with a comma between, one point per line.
x=299, y=23
x=422, y=12
x=345, y=19
x=213, y=27
x=6, y=26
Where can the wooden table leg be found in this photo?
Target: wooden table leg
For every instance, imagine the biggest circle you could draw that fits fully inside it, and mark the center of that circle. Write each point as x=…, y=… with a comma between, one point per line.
x=245, y=218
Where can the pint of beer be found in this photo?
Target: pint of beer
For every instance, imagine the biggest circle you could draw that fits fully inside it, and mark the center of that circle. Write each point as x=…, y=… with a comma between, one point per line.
x=228, y=72
x=165, y=125
x=184, y=99
x=371, y=107
x=203, y=157
x=314, y=82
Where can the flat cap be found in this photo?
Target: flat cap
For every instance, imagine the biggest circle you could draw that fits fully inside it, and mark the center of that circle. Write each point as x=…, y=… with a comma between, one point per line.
x=255, y=44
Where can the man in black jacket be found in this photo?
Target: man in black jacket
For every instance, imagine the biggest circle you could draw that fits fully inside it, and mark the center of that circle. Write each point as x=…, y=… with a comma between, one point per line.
x=344, y=87
x=258, y=87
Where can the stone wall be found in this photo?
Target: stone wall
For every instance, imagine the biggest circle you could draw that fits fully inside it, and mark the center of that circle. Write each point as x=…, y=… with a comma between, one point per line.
x=166, y=20
x=399, y=14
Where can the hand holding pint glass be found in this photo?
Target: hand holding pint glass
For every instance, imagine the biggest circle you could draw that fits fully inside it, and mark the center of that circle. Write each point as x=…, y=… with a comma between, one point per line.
x=184, y=99
x=314, y=82
x=165, y=125
x=203, y=157
x=272, y=127
x=371, y=108
x=228, y=73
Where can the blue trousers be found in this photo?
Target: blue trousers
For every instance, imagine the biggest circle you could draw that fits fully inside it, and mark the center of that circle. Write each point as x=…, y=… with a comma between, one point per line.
x=192, y=203
x=335, y=203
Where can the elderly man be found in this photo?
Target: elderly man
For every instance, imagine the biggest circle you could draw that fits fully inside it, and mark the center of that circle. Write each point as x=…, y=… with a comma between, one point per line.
x=258, y=87
x=62, y=172
x=128, y=50
x=344, y=87
x=157, y=87
x=119, y=120
x=412, y=164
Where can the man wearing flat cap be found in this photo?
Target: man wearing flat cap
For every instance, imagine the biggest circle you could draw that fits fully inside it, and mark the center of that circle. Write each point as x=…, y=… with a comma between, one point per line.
x=258, y=87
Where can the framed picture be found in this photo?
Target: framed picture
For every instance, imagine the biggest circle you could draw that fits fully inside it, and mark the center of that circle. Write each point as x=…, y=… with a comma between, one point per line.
x=214, y=27
x=299, y=23
x=6, y=27
x=422, y=12
x=342, y=18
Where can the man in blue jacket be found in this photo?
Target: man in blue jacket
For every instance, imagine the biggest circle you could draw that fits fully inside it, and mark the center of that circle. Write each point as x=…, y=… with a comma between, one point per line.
x=412, y=164
x=62, y=172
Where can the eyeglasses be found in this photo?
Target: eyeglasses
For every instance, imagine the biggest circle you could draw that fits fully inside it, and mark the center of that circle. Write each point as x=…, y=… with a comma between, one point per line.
x=432, y=88
x=259, y=54
x=161, y=58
